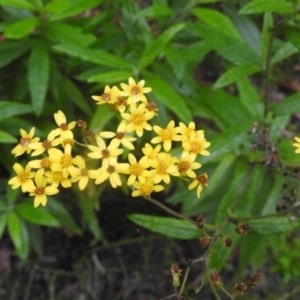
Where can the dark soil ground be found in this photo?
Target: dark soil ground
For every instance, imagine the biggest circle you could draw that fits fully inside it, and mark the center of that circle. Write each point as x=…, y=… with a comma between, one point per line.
x=133, y=263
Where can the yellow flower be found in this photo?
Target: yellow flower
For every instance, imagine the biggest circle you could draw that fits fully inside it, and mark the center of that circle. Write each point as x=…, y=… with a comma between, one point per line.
x=120, y=136
x=41, y=190
x=109, y=170
x=23, y=178
x=136, y=169
x=186, y=164
x=120, y=104
x=187, y=130
x=166, y=135
x=43, y=164
x=297, y=145
x=41, y=147
x=135, y=91
x=25, y=142
x=112, y=151
x=62, y=161
x=151, y=152
x=145, y=189
x=200, y=181
x=164, y=166
x=138, y=118
x=63, y=128
x=58, y=178
x=81, y=173
x=197, y=144
x=108, y=97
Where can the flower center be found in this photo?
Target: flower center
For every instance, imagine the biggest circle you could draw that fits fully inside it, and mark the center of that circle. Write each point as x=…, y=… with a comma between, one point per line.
x=135, y=90
x=25, y=142
x=166, y=134
x=188, y=131
x=111, y=169
x=68, y=141
x=23, y=176
x=120, y=135
x=151, y=106
x=45, y=162
x=46, y=144
x=202, y=179
x=105, y=153
x=63, y=126
x=84, y=172
x=183, y=166
x=161, y=169
x=66, y=160
x=58, y=177
x=136, y=169
x=39, y=191
x=195, y=147
x=147, y=189
x=138, y=119
x=106, y=97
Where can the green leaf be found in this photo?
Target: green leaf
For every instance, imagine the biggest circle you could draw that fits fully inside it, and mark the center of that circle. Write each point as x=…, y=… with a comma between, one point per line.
x=95, y=56
x=7, y=137
x=11, y=50
x=286, y=50
x=56, y=6
x=36, y=238
x=67, y=34
x=157, y=45
x=38, y=75
x=274, y=225
x=265, y=37
x=228, y=141
x=3, y=221
x=217, y=20
x=235, y=73
x=110, y=77
x=14, y=229
x=75, y=96
x=155, y=10
x=75, y=7
x=171, y=227
x=10, y=108
x=169, y=97
x=36, y=215
x=250, y=98
x=101, y=117
x=233, y=191
x=19, y=4
x=288, y=106
x=62, y=215
x=21, y=28
x=260, y=6
x=230, y=48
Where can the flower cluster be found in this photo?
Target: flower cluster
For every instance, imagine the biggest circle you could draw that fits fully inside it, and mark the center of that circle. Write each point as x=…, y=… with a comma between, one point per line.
x=59, y=167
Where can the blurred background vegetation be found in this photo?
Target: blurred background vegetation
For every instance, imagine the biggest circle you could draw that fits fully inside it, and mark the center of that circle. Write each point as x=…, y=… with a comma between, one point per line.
x=223, y=64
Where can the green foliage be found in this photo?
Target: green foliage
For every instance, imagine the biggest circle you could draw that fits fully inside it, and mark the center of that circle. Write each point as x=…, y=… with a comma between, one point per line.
x=205, y=62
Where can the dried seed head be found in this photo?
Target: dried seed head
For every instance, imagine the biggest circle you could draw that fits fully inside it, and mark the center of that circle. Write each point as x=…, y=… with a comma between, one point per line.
x=227, y=242
x=239, y=288
x=90, y=135
x=204, y=241
x=254, y=280
x=81, y=124
x=215, y=279
x=200, y=220
x=243, y=228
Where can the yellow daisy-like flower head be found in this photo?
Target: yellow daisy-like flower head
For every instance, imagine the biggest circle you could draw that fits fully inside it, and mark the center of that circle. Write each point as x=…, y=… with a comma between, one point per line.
x=151, y=152
x=23, y=178
x=81, y=173
x=25, y=142
x=199, y=181
x=145, y=189
x=297, y=145
x=138, y=118
x=135, y=91
x=186, y=164
x=197, y=144
x=164, y=166
x=166, y=135
x=63, y=127
x=137, y=170
x=41, y=147
x=108, y=97
x=62, y=161
x=187, y=130
x=58, y=178
x=41, y=190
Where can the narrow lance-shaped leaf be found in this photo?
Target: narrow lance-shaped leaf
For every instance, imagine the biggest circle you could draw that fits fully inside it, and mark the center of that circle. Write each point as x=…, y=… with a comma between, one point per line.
x=287, y=106
x=261, y=6
x=284, y=52
x=158, y=44
x=10, y=108
x=14, y=229
x=25, y=4
x=110, y=77
x=265, y=37
x=7, y=137
x=171, y=227
x=38, y=75
x=21, y=28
